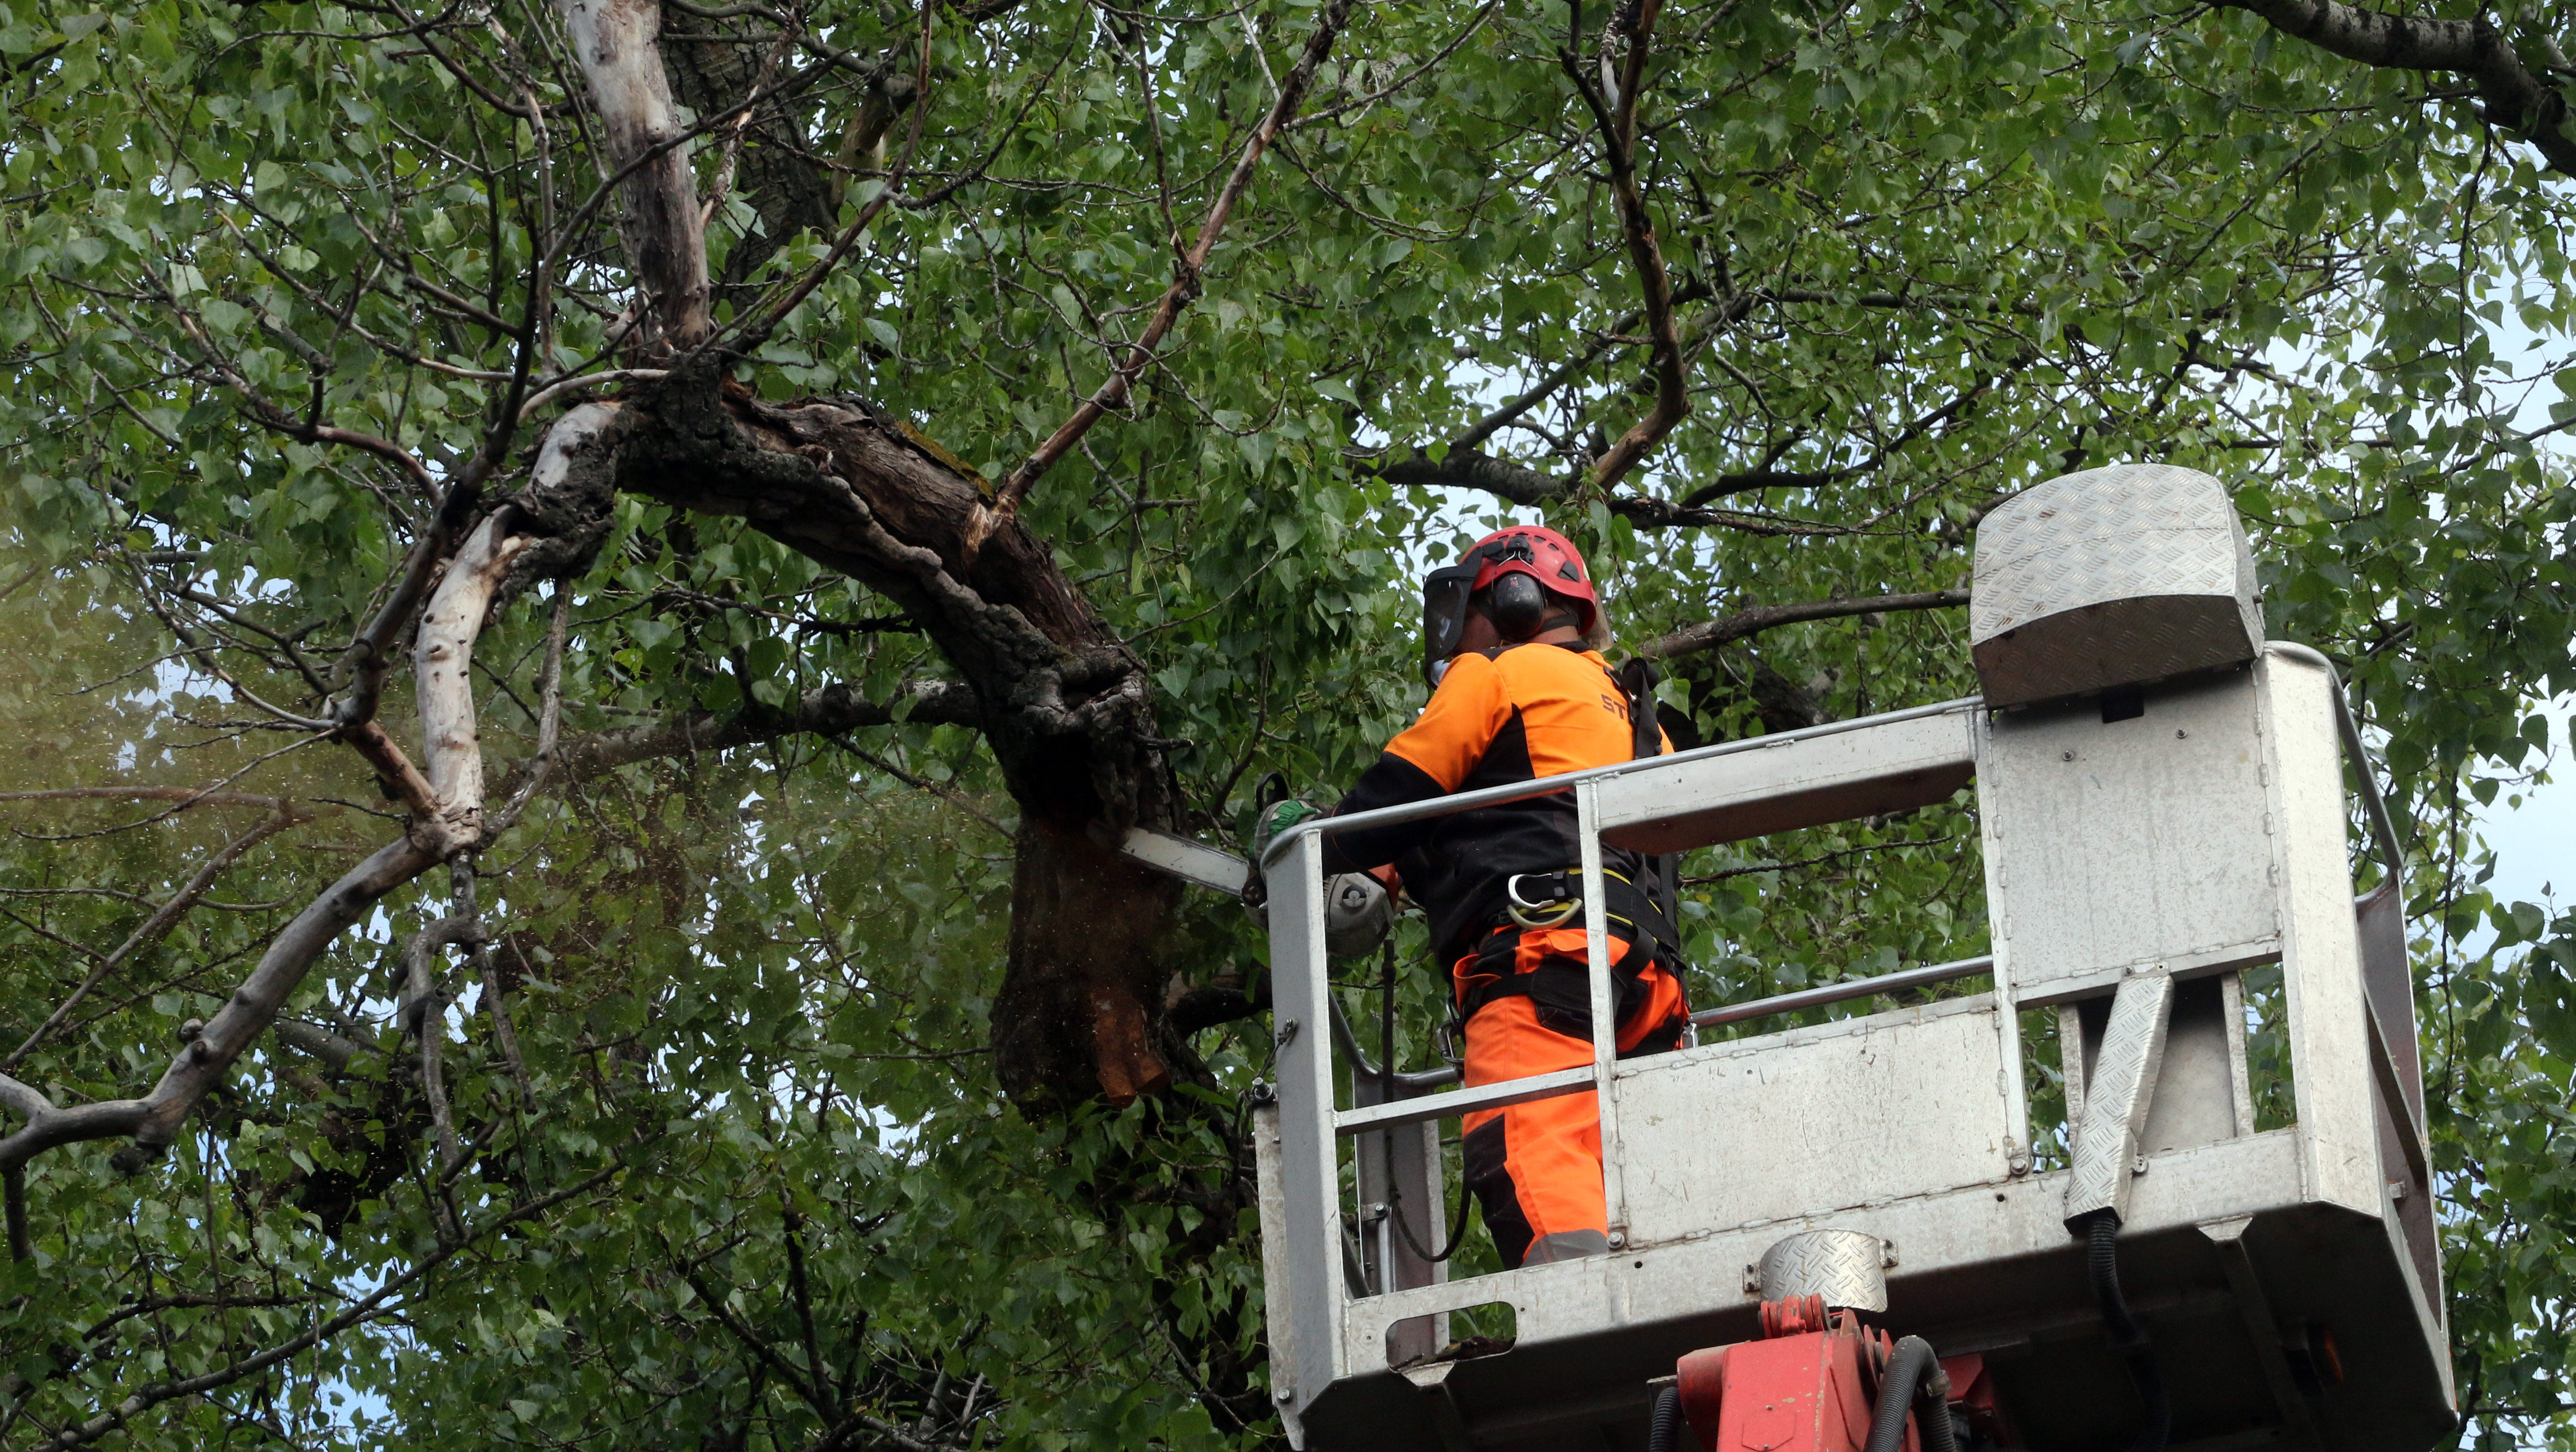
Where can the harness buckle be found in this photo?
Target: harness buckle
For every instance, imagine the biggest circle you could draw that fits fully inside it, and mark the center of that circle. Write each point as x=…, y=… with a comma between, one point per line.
x=1551, y=911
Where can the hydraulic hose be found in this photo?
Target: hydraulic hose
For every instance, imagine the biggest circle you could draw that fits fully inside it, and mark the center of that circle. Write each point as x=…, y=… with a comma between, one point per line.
x=1665, y=1433
x=1912, y=1367
x=2102, y=1259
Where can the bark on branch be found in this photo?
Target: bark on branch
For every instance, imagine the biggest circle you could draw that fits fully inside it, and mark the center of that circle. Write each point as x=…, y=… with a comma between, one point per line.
x=1623, y=54
x=1468, y=468
x=443, y=664
x=2527, y=104
x=558, y=521
x=1065, y=707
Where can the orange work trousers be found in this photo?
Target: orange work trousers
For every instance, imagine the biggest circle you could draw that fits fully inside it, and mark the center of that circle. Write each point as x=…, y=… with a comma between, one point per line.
x=1536, y=1168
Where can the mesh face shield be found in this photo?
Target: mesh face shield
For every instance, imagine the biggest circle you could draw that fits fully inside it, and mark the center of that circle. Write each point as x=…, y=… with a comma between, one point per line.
x=1444, y=614
x=1445, y=593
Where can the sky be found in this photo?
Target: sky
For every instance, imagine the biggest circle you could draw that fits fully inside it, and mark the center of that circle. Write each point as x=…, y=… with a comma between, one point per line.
x=2533, y=833
x=2535, y=840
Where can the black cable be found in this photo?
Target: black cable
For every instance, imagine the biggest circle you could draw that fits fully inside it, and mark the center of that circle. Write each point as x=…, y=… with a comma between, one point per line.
x=1457, y=1227
x=1386, y=1044
x=1664, y=1435
x=1386, y=1095
x=1912, y=1367
x=1394, y=1197
x=2102, y=1260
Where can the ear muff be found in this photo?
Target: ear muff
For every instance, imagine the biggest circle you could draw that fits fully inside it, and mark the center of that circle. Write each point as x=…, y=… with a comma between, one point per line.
x=1516, y=603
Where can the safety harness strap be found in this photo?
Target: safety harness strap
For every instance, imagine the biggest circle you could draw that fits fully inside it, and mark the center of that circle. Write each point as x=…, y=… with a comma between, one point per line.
x=1653, y=935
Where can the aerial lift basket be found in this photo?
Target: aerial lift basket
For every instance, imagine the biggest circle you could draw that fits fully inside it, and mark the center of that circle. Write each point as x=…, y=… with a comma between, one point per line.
x=2161, y=800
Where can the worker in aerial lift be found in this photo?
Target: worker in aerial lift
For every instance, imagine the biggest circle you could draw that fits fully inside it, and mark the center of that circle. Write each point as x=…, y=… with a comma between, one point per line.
x=1512, y=640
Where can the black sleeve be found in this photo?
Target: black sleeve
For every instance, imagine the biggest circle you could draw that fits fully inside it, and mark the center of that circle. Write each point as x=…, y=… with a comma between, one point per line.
x=1393, y=782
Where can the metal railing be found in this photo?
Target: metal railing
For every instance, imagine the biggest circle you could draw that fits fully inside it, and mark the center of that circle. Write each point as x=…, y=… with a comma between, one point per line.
x=2373, y=805
x=1415, y=1100
x=1568, y=781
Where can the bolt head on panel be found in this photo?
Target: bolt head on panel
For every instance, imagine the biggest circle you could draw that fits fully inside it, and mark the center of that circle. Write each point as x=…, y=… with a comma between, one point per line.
x=2111, y=577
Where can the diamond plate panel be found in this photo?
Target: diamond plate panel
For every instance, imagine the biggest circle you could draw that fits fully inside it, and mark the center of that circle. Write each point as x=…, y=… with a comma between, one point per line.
x=2110, y=577
x=1846, y=1267
x=2116, y=1097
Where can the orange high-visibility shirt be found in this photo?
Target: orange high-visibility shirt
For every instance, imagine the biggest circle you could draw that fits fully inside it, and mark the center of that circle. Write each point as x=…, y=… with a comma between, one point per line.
x=1529, y=711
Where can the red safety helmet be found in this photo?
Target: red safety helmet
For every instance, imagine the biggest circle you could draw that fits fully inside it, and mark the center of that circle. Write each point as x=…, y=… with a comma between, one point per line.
x=1549, y=559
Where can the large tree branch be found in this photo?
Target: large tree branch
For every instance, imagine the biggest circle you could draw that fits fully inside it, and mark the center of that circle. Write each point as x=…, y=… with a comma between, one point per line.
x=558, y=523
x=2529, y=106
x=1065, y=706
x=618, y=44
x=1712, y=633
x=1467, y=468
x=1066, y=709
x=1186, y=280
x=442, y=666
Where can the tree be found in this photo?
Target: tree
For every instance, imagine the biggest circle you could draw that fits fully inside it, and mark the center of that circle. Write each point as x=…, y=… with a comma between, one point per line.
x=834, y=468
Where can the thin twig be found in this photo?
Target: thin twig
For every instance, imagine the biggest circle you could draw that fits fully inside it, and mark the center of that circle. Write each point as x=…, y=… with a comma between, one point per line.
x=365, y=1309
x=158, y=924
x=1186, y=283
x=1753, y=621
